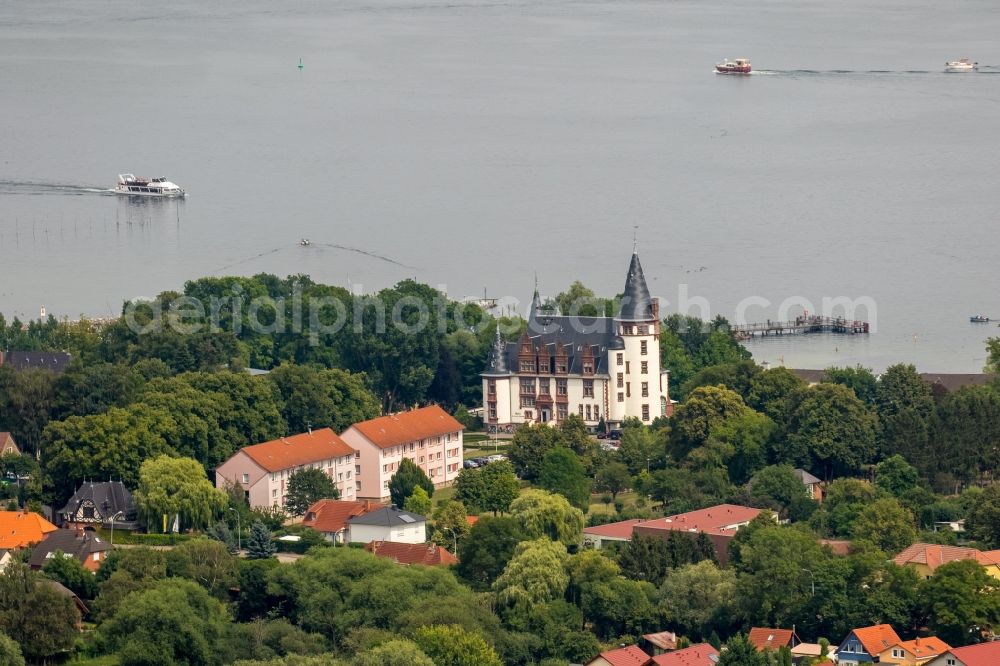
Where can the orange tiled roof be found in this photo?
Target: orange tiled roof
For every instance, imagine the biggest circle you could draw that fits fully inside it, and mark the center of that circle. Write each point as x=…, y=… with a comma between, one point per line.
x=665, y=640
x=428, y=554
x=925, y=648
x=877, y=638
x=331, y=516
x=696, y=655
x=19, y=529
x=933, y=555
x=713, y=520
x=626, y=656
x=410, y=426
x=770, y=639
x=309, y=447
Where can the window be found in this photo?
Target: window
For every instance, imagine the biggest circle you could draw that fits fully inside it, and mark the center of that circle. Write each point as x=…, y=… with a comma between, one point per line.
x=357, y=469
x=421, y=460
x=561, y=411
x=491, y=386
x=620, y=359
x=385, y=468
x=543, y=386
x=621, y=380
x=621, y=397
x=527, y=366
x=274, y=493
x=246, y=478
x=581, y=411
x=561, y=387
x=628, y=389
x=588, y=368
x=628, y=367
x=644, y=367
x=645, y=389
x=340, y=477
x=561, y=366
x=643, y=347
x=274, y=476
x=645, y=412
x=588, y=388
x=88, y=511
x=588, y=412
x=951, y=662
x=493, y=410
x=385, y=484
x=641, y=329
x=97, y=557
x=527, y=401
x=528, y=386
x=528, y=414
x=597, y=413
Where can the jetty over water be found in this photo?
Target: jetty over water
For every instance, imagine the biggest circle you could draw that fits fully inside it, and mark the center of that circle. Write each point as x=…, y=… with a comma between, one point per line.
x=803, y=324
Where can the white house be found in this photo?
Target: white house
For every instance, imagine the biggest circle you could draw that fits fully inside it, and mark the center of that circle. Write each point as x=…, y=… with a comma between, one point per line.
x=387, y=524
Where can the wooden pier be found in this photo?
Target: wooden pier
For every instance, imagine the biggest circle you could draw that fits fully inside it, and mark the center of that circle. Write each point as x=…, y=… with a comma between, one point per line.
x=804, y=324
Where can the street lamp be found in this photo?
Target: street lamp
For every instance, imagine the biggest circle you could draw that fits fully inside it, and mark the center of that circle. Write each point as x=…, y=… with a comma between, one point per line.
x=239, y=541
x=647, y=465
x=812, y=581
x=454, y=536
x=120, y=513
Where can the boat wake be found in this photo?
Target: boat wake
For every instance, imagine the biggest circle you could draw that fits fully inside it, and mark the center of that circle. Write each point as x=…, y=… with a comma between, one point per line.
x=983, y=69
x=37, y=188
x=305, y=243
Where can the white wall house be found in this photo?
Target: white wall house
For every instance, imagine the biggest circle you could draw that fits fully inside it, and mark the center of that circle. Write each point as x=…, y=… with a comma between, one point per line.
x=388, y=524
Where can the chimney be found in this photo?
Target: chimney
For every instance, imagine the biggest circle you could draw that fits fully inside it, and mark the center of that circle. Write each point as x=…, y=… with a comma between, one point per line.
x=79, y=530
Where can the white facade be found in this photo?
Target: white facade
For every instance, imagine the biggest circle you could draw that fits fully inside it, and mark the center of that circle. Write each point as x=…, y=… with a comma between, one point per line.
x=412, y=533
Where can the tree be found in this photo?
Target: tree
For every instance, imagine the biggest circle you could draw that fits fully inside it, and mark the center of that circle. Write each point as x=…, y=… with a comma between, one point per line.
x=10, y=652
x=769, y=390
x=698, y=597
x=886, y=524
x=561, y=472
x=613, y=477
x=742, y=443
x=741, y=652
x=550, y=515
x=26, y=404
x=778, y=487
x=406, y=478
x=490, y=545
x=829, y=429
x=535, y=574
x=175, y=621
x=896, y=476
x=901, y=387
x=37, y=617
x=965, y=431
x=112, y=445
x=453, y=646
x=220, y=532
x=961, y=602
x=177, y=487
x=859, y=379
x=68, y=571
x=419, y=502
x=489, y=488
x=639, y=449
x=983, y=521
x=307, y=486
x=259, y=544
x=392, y=653
x=206, y=562
x=529, y=446
x=705, y=408
x=580, y=301
x=313, y=397
x=645, y=558
x=451, y=525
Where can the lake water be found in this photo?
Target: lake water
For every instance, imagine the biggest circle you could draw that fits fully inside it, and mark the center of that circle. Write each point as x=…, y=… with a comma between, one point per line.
x=473, y=144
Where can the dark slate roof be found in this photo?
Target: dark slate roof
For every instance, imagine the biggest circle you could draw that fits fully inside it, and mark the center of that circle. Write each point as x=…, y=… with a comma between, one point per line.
x=572, y=333
x=71, y=542
x=22, y=360
x=109, y=497
x=388, y=516
x=953, y=382
x=636, y=302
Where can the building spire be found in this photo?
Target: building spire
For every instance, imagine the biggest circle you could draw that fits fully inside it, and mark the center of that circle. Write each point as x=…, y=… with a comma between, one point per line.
x=637, y=305
x=635, y=239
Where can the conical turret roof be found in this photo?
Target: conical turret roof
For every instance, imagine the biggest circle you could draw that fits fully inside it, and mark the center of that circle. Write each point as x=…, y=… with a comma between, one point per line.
x=636, y=302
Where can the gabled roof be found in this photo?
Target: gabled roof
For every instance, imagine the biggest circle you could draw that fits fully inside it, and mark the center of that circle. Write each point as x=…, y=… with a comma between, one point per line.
x=807, y=478
x=427, y=554
x=7, y=439
x=410, y=426
x=877, y=638
x=933, y=555
x=626, y=656
x=108, y=497
x=772, y=639
x=925, y=648
x=79, y=544
x=37, y=360
x=22, y=528
x=665, y=640
x=298, y=450
x=982, y=654
x=387, y=516
x=330, y=516
x=701, y=654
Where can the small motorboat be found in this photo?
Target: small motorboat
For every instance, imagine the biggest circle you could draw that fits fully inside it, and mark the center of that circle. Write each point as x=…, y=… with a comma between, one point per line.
x=962, y=65
x=738, y=66
x=305, y=241
x=979, y=319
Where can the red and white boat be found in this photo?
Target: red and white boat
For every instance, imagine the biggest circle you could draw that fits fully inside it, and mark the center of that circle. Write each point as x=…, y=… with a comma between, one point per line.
x=738, y=66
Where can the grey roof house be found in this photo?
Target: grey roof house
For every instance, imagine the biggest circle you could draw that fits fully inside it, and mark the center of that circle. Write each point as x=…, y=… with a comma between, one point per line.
x=83, y=545
x=96, y=503
x=388, y=524
x=37, y=360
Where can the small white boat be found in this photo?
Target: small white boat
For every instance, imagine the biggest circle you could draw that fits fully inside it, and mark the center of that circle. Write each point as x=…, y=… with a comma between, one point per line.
x=738, y=66
x=963, y=65
x=146, y=187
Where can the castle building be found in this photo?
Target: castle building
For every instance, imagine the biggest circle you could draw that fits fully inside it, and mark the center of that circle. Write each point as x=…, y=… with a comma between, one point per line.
x=597, y=367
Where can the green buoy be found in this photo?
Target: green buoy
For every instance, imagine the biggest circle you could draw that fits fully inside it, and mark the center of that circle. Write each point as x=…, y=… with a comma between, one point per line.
x=301, y=66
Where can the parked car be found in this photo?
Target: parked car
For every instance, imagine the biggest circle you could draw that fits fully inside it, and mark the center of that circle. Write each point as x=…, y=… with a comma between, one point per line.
x=602, y=435
x=609, y=446
x=497, y=457
x=470, y=464
x=482, y=461
x=616, y=435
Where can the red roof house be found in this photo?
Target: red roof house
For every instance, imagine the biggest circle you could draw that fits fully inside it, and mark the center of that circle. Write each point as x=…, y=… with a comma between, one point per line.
x=626, y=656
x=981, y=654
x=701, y=654
x=330, y=516
x=427, y=554
x=772, y=639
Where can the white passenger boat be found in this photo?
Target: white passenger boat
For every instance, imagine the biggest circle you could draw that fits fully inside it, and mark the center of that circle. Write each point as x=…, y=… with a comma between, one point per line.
x=146, y=187
x=963, y=65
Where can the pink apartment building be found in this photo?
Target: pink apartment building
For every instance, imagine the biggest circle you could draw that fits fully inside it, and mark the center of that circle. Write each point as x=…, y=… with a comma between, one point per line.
x=429, y=436
x=263, y=470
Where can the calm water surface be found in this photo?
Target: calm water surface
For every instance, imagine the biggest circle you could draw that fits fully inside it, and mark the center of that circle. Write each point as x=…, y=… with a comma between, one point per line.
x=471, y=144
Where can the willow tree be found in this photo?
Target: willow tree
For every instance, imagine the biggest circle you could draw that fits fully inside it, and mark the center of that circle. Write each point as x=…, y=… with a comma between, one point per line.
x=177, y=487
